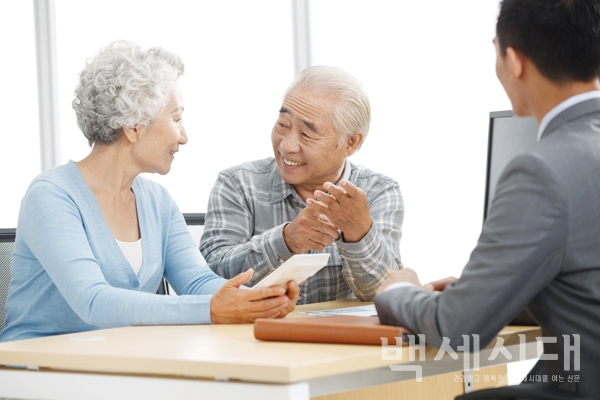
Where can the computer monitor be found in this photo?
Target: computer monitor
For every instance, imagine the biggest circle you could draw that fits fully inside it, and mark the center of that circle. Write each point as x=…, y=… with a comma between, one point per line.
x=508, y=137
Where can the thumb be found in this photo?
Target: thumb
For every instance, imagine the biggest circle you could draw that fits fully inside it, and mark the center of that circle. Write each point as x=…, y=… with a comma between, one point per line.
x=240, y=279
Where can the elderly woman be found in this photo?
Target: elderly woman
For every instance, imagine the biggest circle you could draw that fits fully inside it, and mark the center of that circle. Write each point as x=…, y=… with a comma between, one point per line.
x=94, y=239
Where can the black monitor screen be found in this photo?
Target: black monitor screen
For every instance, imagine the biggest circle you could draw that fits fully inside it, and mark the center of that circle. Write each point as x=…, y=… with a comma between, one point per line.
x=509, y=136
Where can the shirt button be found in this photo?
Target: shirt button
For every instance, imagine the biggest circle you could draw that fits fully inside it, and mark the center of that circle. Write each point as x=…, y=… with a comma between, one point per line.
x=280, y=260
x=135, y=285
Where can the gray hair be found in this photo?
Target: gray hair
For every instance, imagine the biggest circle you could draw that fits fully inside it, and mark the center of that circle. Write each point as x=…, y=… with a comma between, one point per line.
x=122, y=86
x=352, y=110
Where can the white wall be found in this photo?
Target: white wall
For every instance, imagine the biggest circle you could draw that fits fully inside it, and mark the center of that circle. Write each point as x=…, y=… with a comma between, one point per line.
x=19, y=132
x=429, y=68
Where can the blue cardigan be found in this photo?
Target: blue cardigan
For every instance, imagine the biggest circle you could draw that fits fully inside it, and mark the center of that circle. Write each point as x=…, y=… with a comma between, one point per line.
x=69, y=274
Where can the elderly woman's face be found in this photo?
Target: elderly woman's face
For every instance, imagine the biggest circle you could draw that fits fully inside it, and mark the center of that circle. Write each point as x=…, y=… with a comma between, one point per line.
x=159, y=141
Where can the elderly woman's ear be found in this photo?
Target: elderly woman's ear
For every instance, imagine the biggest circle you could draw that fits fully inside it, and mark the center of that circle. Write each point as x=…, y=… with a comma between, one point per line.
x=132, y=134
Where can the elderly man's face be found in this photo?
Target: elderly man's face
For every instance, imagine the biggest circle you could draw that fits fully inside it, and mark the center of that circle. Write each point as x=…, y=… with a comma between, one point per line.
x=305, y=142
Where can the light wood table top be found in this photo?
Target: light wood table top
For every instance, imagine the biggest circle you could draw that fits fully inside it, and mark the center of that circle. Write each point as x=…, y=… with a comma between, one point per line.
x=206, y=351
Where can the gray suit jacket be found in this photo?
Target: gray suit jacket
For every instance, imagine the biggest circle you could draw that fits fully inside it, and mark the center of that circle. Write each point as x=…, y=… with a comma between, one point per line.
x=539, y=248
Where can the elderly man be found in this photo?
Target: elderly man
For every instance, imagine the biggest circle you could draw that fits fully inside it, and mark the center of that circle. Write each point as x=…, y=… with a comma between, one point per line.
x=310, y=198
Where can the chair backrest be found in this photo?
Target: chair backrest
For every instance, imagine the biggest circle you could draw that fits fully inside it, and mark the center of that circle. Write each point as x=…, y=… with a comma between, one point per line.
x=7, y=245
x=195, y=223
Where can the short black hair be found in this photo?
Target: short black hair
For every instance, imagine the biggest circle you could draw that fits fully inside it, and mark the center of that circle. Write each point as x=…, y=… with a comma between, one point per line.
x=560, y=37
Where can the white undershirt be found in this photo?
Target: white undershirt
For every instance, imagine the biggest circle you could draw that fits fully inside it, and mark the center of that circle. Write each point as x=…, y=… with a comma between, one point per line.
x=133, y=253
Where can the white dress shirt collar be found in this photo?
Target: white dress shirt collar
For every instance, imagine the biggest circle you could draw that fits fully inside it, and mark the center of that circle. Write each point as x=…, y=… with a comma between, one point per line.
x=571, y=101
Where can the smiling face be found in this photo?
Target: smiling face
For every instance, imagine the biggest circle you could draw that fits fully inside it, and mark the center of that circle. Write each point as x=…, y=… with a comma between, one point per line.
x=306, y=144
x=159, y=141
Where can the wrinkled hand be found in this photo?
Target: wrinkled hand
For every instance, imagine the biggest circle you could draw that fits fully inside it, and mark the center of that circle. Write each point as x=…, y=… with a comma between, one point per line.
x=404, y=275
x=310, y=230
x=346, y=207
x=439, y=285
x=292, y=295
x=232, y=305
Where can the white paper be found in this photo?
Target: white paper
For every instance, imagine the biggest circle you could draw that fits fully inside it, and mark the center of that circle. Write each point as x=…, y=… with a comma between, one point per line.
x=362, y=311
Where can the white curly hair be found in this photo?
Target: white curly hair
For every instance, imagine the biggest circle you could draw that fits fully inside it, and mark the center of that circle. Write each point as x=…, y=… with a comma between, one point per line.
x=122, y=86
x=352, y=109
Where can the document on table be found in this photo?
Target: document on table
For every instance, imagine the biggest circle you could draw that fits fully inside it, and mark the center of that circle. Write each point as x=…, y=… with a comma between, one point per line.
x=362, y=311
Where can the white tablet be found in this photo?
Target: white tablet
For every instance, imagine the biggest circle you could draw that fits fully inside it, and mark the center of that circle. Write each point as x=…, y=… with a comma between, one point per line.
x=298, y=269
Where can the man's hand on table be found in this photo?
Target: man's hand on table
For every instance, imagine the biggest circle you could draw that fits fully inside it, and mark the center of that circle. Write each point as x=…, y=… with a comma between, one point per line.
x=410, y=276
x=439, y=285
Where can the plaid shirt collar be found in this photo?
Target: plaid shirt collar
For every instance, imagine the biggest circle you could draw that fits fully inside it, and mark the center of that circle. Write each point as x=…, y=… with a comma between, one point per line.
x=282, y=189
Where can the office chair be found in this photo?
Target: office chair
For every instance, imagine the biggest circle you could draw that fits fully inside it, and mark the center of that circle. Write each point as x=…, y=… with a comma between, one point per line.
x=195, y=223
x=7, y=244
x=523, y=392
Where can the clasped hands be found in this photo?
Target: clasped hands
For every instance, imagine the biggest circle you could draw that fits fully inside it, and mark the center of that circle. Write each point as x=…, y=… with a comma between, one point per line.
x=344, y=209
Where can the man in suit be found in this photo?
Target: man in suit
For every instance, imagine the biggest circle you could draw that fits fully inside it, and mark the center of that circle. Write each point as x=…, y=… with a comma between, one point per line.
x=540, y=245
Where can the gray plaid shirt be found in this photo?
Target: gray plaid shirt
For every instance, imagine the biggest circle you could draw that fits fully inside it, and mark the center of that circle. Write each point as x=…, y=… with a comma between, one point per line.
x=250, y=204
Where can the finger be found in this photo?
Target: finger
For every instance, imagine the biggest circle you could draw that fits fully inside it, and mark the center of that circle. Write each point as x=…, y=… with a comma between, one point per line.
x=328, y=229
x=327, y=199
x=261, y=306
x=442, y=283
x=429, y=287
x=323, y=218
x=322, y=240
x=325, y=212
x=351, y=190
x=317, y=206
x=293, y=291
x=314, y=209
x=336, y=191
x=328, y=212
x=240, y=279
x=265, y=314
x=262, y=293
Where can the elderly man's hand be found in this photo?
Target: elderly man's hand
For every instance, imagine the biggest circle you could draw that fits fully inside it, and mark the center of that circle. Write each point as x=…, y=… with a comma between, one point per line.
x=404, y=275
x=310, y=230
x=232, y=305
x=346, y=207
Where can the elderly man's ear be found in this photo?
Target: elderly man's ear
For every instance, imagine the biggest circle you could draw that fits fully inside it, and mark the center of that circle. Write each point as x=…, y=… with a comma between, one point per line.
x=353, y=142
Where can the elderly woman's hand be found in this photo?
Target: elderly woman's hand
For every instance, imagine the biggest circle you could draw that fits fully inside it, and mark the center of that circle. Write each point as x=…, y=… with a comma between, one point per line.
x=292, y=295
x=232, y=305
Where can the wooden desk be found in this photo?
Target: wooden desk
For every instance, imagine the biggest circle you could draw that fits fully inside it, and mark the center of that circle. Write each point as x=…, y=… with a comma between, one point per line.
x=220, y=362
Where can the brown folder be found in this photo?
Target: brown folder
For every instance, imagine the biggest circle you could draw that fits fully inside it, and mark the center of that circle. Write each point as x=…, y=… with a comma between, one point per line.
x=327, y=329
